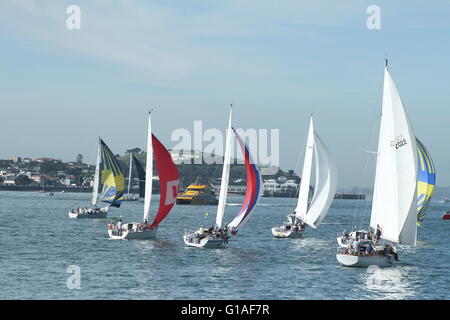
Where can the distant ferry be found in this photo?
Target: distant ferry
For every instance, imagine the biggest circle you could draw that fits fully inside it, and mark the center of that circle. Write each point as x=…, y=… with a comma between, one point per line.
x=349, y=196
x=280, y=193
x=198, y=194
x=294, y=194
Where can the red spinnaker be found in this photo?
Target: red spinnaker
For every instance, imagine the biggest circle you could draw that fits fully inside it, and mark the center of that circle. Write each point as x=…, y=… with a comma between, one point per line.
x=169, y=180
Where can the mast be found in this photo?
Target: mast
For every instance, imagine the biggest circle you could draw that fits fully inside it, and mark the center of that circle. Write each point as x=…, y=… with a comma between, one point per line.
x=129, y=175
x=303, y=195
x=148, y=170
x=225, y=174
x=97, y=175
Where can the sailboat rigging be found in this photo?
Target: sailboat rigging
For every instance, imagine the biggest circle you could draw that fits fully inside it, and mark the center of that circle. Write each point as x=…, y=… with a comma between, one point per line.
x=217, y=236
x=394, y=205
x=169, y=180
x=311, y=212
x=134, y=162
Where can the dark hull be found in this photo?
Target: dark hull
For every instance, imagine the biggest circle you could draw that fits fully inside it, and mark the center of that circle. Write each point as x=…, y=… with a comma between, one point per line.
x=350, y=196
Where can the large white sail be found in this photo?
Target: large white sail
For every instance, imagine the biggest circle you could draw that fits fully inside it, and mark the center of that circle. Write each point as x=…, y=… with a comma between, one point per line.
x=148, y=171
x=303, y=196
x=325, y=187
x=225, y=174
x=96, y=177
x=394, y=204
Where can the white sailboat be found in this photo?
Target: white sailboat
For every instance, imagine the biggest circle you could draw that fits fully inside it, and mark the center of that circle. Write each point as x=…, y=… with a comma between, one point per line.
x=394, y=204
x=311, y=212
x=217, y=235
x=109, y=175
x=129, y=196
x=169, y=183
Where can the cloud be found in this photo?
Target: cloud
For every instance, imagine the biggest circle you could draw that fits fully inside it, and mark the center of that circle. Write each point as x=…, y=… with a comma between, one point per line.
x=162, y=41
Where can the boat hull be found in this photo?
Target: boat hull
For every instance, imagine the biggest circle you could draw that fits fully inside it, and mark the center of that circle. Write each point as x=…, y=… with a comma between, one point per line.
x=287, y=233
x=208, y=243
x=130, y=197
x=198, y=202
x=348, y=260
x=130, y=235
x=97, y=215
x=446, y=216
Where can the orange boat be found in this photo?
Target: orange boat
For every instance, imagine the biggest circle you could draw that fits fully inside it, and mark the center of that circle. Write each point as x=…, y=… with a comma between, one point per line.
x=197, y=194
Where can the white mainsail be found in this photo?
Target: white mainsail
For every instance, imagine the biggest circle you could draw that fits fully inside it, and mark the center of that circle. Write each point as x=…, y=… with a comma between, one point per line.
x=96, y=177
x=394, y=205
x=326, y=181
x=303, y=196
x=225, y=174
x=148, y=171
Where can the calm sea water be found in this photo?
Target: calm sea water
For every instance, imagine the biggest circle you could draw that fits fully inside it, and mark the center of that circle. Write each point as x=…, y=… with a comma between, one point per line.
x=39, y=242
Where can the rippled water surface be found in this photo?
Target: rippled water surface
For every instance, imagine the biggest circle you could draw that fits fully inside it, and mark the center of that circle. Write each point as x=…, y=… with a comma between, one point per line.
x=39, y=242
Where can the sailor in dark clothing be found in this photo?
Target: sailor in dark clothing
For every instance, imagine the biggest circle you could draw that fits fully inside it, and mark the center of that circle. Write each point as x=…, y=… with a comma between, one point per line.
x=377, y=234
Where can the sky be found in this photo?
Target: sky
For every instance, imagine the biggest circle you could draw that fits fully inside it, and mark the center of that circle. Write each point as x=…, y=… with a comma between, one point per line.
x=277, y=62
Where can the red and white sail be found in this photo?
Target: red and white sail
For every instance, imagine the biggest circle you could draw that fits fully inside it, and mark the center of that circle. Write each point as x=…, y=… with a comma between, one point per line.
x=169, y=179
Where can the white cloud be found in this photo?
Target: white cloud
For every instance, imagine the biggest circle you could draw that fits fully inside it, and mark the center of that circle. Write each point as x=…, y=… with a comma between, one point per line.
x=160, y=41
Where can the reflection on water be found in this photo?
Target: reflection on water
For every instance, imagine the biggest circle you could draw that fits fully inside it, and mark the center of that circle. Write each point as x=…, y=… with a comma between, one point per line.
x=393, y=283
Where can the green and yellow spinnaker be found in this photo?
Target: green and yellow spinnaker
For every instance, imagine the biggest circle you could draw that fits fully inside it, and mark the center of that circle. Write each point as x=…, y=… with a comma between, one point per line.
x=426, y=181
x=111, y=177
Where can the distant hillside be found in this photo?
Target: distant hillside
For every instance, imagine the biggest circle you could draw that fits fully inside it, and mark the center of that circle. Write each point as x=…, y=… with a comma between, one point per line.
x=207, y=173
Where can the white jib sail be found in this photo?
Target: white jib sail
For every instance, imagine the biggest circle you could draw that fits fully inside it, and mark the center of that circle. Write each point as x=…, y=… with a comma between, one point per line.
x=225, y=175
x=96, y=177
x=149, y=171
x=325, y=187
x=303, y=195
x=394, y=204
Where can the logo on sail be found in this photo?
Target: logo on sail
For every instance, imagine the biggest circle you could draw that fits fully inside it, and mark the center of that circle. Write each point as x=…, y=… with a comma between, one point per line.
x=398, y=142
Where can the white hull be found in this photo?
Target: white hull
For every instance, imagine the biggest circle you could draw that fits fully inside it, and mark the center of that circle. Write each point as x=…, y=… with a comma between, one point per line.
x=287, y=233
x=130, y=235
x=381, y=261
x=97, y=215
x=130, y=197
x=210, y=243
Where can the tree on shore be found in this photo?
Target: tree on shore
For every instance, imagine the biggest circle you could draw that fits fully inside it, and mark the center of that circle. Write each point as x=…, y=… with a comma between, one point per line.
x=22, y=180
x=79, y=159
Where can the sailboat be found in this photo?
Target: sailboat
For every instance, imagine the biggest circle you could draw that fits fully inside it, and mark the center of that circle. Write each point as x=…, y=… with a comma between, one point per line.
x=217, y=235
x=169, y=180
x=141, y=176
x=109, y=175
x=141, y=173
x=311, y=212
x=394, y=205
x=50, y=193
x=426, y=182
